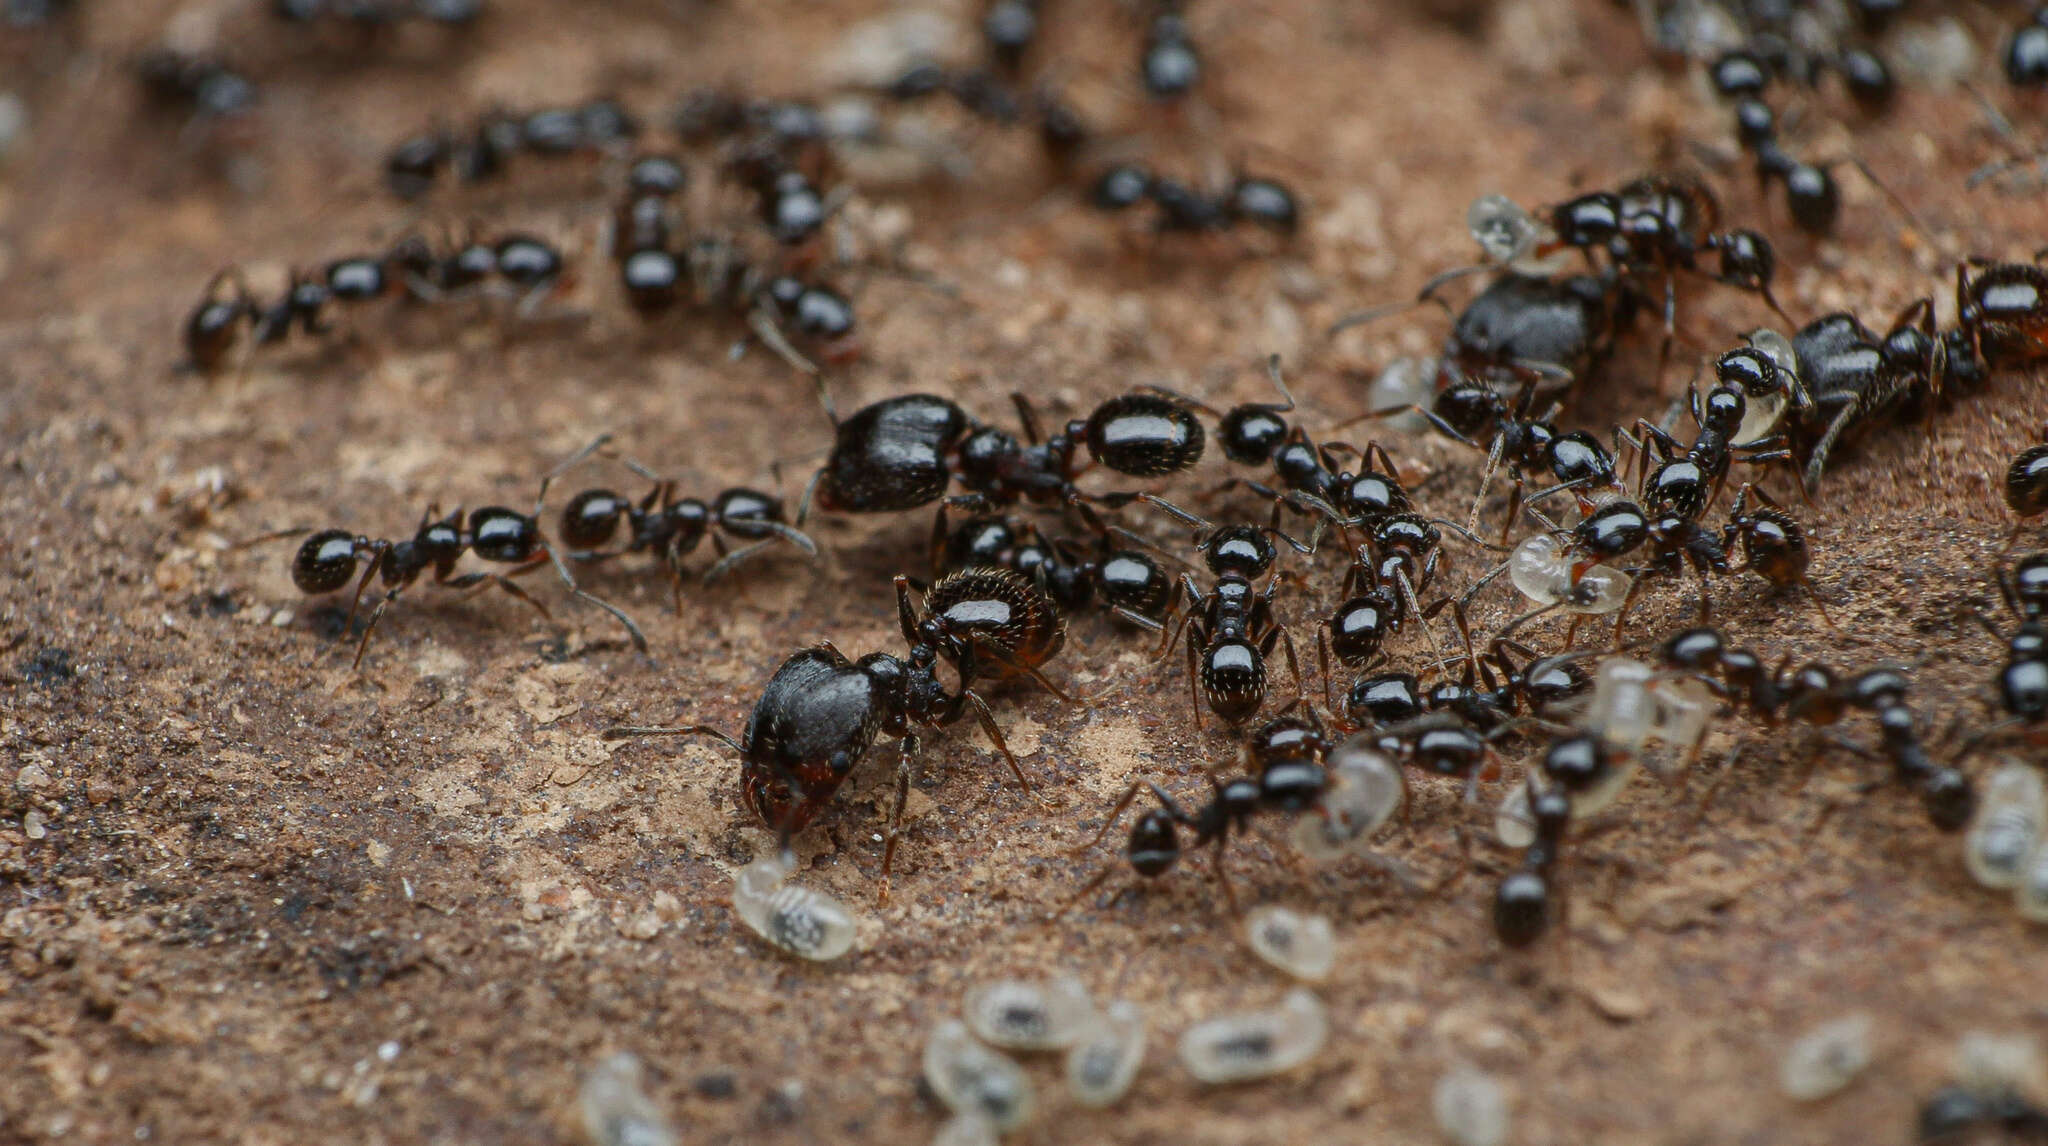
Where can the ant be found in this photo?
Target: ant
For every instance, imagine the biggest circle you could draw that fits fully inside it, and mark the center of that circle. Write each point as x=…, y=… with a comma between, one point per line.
x=378, y=15
x=1854, y=376
x=668, y=526
x=1231, y=629
x=1688, y=479
x=1285, y=773
x=2026, y=482
x=1181, y=209
x=1308, y=476
x=328, y=559
x=1815, y=695
x=1522, y=903
x=902, y=452
x=2023, y=682
x=820, y=712
x=1169, y=66
x=598, y=126
x=208, y=89
x=1126, y=579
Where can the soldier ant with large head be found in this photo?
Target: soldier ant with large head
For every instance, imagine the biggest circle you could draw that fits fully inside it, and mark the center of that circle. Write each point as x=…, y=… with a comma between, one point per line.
x=820, y=712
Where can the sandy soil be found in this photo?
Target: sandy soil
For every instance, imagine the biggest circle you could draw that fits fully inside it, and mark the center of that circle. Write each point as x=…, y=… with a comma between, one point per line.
x=249, y=895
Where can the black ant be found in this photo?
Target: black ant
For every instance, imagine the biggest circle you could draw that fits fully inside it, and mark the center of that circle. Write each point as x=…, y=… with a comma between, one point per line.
x=1169, y=66
x=1815, y=695
x=2026, y=481
x=670, y=527
x=1126, y=580
x=379, y=15
x=1308, y=476
x=1285, y=773
x=206, y=88
x=1688, y=478
x=482, y=153
x=1181, y=209
x=328, y=559
x=1522, y=905
x=820, y=713
x=1231, y=629
x=1854, y=376
x=2023, y=682
x=902, y=452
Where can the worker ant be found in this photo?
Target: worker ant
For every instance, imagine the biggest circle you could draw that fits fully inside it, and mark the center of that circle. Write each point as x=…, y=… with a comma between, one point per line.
x=1182, y=209
x=1231, y=629
x=1169, y=66
x=902, y=452
x=1308, y=477
x=486, y=149
x=2023, y=682
x=820, y=712
x=1688, y=478
x=1816, y=695
x=328, y=559
x=1284, y=762
x=1523, y=903
x=668, y=526
x=1125, y=579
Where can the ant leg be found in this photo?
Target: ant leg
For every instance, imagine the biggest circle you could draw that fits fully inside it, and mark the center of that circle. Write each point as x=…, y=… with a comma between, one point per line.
x=1294, y=666
x=577, y=591
x=1817, y=458
x=1493, y=456
x=375, y=614
x=1027, y=418
x=1323, y=656
x=771, y=336
x=904, y=767
x=1009, y=660
x=906, y=615
x=1415, y=607
x=987, y=720
x=623, y=731
x=1223, y=877
x=1194, y=682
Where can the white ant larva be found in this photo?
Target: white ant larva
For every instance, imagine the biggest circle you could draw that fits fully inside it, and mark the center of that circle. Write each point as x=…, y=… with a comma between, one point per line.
x=972, y=1079
x=616, y=1109
x=1102, y=1065
x=2007, y=829
x=1362, y=792
x=1020, y=1014
x=1826, y=1058
x=1304, y=946
x=1761, y=413
x=806, y=923
x=1255, y=1044
x=1471, y=1108
x=1540, y=569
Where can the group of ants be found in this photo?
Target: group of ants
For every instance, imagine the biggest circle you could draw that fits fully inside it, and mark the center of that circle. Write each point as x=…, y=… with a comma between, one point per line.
x=1003, y=583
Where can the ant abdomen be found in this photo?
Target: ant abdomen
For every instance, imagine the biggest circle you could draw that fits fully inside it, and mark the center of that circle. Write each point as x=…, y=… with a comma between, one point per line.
x=326, y=561
x=1144, y=435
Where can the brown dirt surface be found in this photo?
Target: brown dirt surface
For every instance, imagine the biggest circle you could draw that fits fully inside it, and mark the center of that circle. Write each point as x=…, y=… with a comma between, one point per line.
x=231, y=869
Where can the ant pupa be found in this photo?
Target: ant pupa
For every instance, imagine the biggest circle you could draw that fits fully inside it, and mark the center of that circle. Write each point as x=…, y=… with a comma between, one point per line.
x=967, y=1128
x=1470, y=1106
x=1026, y=1015
x=806, y=923
x=1363, y=789
x=1256, y=1044
x=971, y=1079
x=1302, y=945
x=1101, y=1066
x=1827, y=1058
x=616, y=1109
x=2008, y=828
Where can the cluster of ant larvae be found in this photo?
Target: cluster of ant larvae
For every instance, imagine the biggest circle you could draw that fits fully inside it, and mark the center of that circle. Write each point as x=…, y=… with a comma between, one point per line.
x=1363, y=791
x=2006, y=846
x=1304, y=946
x=1542, y=570
x=1471, y=1107
x=616, y=1109
x=978, y=1084
x=806, y=923
x=1256, y=1044
x=1827, y=1058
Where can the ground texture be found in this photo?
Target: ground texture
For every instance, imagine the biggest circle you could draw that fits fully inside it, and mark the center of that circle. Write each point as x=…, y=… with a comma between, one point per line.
x=247, y=894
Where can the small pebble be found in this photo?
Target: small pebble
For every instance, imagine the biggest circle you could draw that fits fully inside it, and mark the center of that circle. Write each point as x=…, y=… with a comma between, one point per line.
x=616, y=1109
x=1020, y=1014
x=1304, y=946
x=1471, y=1108
x=1102, y=1065
x=1826, y=1058
x=970, y=1078
x=1256, y=1044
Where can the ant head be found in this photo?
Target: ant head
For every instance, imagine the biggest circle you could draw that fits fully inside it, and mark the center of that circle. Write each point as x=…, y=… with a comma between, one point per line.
x=2029, y=586
x=1251, y=434
x=1723, y=410
x=1469, y=407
